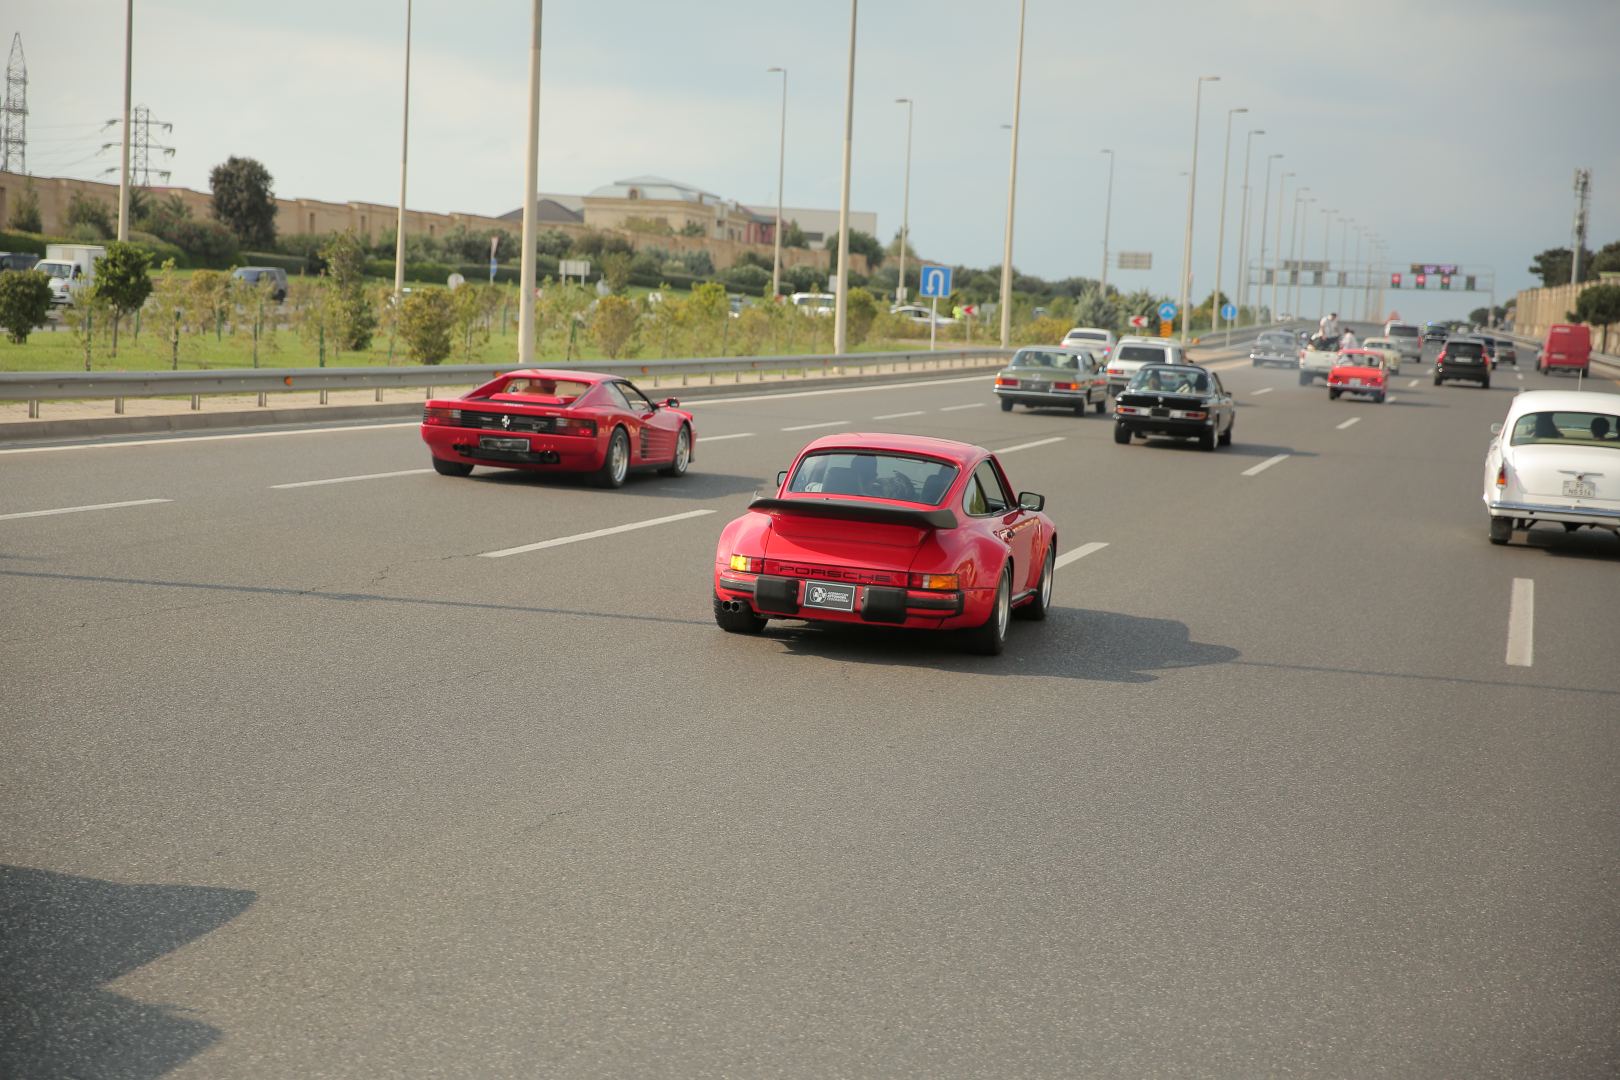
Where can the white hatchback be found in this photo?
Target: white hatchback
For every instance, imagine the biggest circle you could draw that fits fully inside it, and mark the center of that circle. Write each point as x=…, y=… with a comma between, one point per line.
x=1100, y=342
x=1132, y=352
x=1557, y=459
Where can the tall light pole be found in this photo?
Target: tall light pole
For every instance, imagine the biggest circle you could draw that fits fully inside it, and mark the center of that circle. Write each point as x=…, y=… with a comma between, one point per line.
x=531, y=193
x=1265, y=218
x=1296, y=247
x=1108, y=215
x=1192, y=191
x=905, y=213
x=1361, y=303
x=1012, y=185
x=1344, y=255
x=781, y=171
x=123, y=172
x=841, y=300
x=1243, y=232
x=404, y=154
x=1276, y=258
x=1327, y=226
x=1220, y=243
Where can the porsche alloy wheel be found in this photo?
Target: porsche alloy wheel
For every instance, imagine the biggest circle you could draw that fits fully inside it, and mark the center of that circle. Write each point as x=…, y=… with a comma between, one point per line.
x=451, y=468
x=991, y=638
x=616, y=465
x=683, y=454
x=1036, y=609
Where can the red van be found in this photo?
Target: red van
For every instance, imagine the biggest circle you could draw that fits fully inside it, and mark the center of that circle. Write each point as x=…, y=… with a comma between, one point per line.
x=1566, y=347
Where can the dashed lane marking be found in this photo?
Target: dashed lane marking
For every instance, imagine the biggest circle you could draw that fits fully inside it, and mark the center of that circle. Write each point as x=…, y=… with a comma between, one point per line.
x=1029, y=445
x=349, y=479
x=898, y=415
x=811, y=427
x=1266, y=464
x=707, y=403
x=1079, y=553
x=1264, y=390
x=1411, y=383
x=82, y=509
x=722, y=438
x=1349, y=422
x=594, y=534
x=1522, y=623
x=959, y=408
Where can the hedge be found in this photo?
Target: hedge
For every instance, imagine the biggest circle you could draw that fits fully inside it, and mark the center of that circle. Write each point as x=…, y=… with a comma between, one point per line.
x=32, y=243
x=293, y=264
x=35, y=244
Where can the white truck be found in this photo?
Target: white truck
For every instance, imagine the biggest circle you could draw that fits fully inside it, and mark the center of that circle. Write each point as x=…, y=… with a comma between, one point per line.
x=71, y=268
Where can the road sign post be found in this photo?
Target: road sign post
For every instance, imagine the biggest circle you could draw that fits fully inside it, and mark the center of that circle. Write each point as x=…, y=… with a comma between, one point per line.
x=1228, y=313
x=935, y=282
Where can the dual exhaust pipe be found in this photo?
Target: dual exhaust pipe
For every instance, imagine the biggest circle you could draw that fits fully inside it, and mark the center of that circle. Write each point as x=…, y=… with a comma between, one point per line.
x=733, y=605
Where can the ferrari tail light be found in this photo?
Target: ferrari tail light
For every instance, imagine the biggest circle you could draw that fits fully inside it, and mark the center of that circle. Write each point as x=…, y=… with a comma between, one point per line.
x=432, y=415
x=748, y=564
x=936, y=582
x=570, y=425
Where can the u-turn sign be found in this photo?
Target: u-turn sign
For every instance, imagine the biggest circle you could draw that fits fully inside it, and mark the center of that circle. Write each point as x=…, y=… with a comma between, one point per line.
x=936, y=281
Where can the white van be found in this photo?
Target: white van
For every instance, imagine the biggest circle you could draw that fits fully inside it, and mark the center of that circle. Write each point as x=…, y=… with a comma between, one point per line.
x=71, y=268
x=1408, y=339
x=1130, y=353
x=814, y=303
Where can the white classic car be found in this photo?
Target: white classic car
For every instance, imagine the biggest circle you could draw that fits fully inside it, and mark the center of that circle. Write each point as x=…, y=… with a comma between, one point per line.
x=1556, y=458
x=1318, y=358
x=1391, y=351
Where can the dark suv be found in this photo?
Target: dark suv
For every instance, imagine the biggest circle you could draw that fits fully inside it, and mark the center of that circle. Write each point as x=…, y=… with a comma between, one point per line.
x=1463, y=358
x=17, y=260
x=275, y=275
x=1435, y=332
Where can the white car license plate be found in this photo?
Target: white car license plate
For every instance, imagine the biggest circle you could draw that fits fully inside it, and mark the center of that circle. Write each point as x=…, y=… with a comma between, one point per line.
x=1355, y=382
x=829, y=595
x=1580, y=489
x=490, y=443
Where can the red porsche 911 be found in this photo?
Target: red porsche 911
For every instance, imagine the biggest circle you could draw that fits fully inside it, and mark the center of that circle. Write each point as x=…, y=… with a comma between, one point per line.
x=558, y=421
x=891, y=530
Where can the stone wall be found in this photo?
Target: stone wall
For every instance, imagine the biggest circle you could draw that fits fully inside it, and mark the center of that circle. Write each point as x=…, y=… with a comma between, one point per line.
x=1537, y=309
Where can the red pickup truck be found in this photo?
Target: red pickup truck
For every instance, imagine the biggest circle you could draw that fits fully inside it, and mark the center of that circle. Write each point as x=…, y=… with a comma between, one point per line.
x=1567, y=346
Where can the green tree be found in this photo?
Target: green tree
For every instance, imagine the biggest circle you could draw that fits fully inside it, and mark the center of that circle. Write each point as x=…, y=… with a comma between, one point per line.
x=693, y=228
x=1607, y=259
x=861, y=310
x=704, y=317
x=474, y=305
x=616, y=270
x=122, y=282
x=1553, y=266
x=860, y=243
x=425, y=325
x=92, y=213
x=354, y=318
x=1599, y=305
x=208, y=300
x=793, y=236
x=25, y=301
x=244, y=201
x=614, y=324
x=25, y=215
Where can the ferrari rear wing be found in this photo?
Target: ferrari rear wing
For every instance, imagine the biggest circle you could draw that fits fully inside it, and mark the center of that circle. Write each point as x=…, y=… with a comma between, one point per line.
x=858, y=510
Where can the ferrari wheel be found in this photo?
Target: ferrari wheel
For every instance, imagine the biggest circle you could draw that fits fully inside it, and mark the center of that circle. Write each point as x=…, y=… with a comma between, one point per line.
x=451, y=468
x=738, y=618
x=1035, y=610
x=1006, y=404
x=991, y=638
x=616, y=464
x=683, y=454
x=1122, y=434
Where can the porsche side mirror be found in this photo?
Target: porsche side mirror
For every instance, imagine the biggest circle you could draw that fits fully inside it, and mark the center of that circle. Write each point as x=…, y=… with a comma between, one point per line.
x=1028, y=500
x=781, y=478
x=1496, y=429
x=671, y=403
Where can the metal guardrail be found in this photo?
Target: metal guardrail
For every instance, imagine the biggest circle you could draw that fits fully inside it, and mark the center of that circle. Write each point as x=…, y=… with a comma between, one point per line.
x=35, y=387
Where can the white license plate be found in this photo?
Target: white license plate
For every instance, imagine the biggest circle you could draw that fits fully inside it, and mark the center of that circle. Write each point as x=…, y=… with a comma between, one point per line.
x=489, y=443
x=1580, y=489
x=829, y=595
x=1355, y=382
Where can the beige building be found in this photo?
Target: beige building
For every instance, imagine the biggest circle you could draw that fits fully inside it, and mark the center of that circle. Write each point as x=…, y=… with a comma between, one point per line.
x=819, y=225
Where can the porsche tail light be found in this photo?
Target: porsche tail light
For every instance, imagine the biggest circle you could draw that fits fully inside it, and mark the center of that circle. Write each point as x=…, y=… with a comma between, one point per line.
x=571, y=425
x=432, y=415
x=748, y=564
x=936, y=582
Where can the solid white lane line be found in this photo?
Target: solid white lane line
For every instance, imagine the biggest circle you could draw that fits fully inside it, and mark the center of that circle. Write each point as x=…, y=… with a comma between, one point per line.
x=1266, y=390
x=1266, y=464
x=958, y=408
x=1347, y=423
x=207, y=438
x=82, y=509
x=834, y=390
x=812, y=427
x=722, y=438
x=1522, y=623
x=1079, y=553
x=576, y=538
x=1411, y=383
x=898, y=415
x=1028, y=445
x=349, y=479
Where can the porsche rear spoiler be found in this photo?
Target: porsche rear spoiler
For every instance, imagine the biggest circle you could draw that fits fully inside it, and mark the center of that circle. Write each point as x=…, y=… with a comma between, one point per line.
x=858, y=510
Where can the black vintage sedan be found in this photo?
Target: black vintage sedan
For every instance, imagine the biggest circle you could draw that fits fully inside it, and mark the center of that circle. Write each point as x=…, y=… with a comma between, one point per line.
x=1183, y=401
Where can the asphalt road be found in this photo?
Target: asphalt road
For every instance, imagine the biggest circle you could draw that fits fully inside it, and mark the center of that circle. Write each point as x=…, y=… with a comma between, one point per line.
x=294, y=782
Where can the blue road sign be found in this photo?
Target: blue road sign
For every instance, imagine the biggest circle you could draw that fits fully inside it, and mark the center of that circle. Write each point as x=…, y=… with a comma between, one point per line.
x=936, y=281
x=1167, y=311
x=1229, y=311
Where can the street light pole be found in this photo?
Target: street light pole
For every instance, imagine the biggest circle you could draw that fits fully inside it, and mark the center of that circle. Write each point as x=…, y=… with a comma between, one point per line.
x=1265, y=218
x=1220, y=244
x=1192, y=191
x=123, y=172
x=1243, y=232
x=905, y=214
x=841, y=300
x=1276, y=258
x=531, y=192
x=1108, y=215
x=781, y=171
x=1012, y=185
x=1344, y=254
x=1327, y=226
x=1297, y=247
x=404, y=155
x=1361, y=303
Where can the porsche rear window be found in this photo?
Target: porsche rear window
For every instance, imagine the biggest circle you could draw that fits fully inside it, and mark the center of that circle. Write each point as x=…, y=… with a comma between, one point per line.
x=542, y=391
x=874, y=476
x=1568, y=429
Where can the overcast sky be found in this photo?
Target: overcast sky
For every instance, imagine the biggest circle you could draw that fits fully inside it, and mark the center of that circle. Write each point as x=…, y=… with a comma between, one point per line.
x=1451, y=128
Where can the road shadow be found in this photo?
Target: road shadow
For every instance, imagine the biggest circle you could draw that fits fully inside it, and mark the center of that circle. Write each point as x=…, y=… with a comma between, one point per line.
x=1073, y=643
x=696, y=484
x=61, y=939
x=1599, y=544
x=1238, y=448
